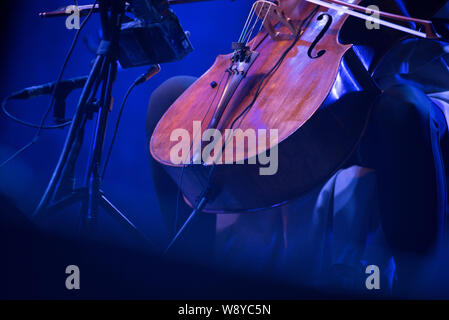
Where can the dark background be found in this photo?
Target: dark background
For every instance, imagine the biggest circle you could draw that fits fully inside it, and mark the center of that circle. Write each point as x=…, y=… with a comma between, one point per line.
x=32, y=53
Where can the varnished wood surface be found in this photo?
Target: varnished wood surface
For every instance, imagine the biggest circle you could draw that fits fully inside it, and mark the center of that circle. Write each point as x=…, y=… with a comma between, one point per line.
x=312, y=145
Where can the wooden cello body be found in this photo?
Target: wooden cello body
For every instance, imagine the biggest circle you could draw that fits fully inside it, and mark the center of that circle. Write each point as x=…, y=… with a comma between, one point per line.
x=318, y=100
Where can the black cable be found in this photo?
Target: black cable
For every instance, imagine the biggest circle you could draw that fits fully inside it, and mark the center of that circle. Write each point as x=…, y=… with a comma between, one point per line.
x=140, y=80
x=178, y=196
x=30, y=124
x=205, y=193
x=260, y=87
x=61, y=73
x=122, y=106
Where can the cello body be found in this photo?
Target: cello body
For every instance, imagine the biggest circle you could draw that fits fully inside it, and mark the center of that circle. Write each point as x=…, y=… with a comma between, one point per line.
x=319, y=100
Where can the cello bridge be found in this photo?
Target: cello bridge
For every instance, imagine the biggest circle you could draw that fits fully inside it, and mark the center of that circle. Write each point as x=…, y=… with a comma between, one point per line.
x=271, y=13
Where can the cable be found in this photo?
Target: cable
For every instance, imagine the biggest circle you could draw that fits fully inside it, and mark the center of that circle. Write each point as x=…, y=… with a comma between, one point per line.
x=140, y=80
x=61, y=73
x=30, y=124
x=203, y=197
x=260, y=87
x=128, y=92
x=178, y=196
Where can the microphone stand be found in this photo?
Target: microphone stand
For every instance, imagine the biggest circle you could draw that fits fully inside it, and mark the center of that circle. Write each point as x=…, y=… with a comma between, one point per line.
x=61, y=191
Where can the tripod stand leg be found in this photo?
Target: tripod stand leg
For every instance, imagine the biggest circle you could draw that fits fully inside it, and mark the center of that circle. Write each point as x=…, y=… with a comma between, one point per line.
x=66, y=201
x=69, y=143
x=103, y=74
x=122, y=219
x=89, y=211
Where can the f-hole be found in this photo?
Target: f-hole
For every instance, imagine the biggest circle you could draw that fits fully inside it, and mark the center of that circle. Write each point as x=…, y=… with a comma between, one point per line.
x=320, y=35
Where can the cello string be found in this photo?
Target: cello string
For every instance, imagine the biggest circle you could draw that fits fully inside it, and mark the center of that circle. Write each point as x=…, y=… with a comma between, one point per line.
x=247, y=34
x=262, y=4
x=259, y=89
x=244, y=112
x=246, y=23
x=256, y=20
x=250, y=29
x=253, y=17
x=178, y=196
x=264, y=19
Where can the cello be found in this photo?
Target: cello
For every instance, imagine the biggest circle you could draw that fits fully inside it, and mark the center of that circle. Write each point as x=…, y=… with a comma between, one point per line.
x=295, y=77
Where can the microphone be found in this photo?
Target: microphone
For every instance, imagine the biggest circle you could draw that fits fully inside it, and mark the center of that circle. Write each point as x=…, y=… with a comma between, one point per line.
x=152, y=71
x=64, y=88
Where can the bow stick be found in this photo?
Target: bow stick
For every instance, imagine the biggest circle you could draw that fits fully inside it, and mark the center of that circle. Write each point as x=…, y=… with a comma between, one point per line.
x=352, y=10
